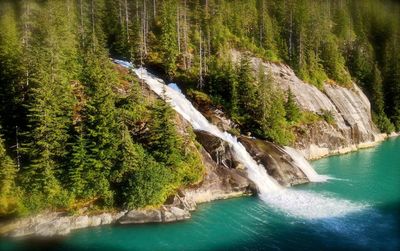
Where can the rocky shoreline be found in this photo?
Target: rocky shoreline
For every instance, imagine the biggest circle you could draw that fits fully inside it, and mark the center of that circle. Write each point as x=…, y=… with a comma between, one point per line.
x=219, y=183
x=52, y=224
x=225, y=176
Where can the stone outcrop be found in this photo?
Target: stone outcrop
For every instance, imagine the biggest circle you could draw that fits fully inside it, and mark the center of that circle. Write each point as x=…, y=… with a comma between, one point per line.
x=277, y=162
x=51, y=224
x=58, y=224
x=351, y=111
x=218, y=149
x=176, y=208
x=219, y=182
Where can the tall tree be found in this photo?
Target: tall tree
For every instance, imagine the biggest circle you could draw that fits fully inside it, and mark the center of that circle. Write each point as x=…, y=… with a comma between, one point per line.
x=8, y=190
x=168, y=39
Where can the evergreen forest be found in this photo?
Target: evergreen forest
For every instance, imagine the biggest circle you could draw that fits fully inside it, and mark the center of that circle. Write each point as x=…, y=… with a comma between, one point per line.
x=76, y=130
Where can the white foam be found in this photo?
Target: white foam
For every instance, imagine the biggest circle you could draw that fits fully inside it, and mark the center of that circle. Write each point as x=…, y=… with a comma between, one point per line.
x=175, y=87
x=305, y=166
x=183, y=106
x=310, y=205
x=301, y=204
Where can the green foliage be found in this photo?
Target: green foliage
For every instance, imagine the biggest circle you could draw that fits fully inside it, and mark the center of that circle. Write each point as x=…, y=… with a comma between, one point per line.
x=383, y=123
x=327, y=116
x=293, y=113
x=163, y=141
x=148, y=185
x=168, y=36
x=270, y=111
x=81, y=133
x=139, y=180
x=85, y=133
x=12, y=85
x=9, y=192
x=245, y=94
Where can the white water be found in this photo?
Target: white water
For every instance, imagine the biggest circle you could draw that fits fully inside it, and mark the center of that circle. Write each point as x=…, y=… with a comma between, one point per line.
x=301, y=204
x=178, y=101
x=305, y=166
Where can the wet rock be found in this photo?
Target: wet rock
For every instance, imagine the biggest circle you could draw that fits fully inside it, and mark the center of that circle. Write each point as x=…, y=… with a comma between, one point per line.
x=277, y=162
x=219, y=182
x=218, y=149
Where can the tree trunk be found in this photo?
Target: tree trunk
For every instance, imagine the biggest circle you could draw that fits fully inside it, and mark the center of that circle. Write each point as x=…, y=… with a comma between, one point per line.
x=201, y=63
x=127, y=21
x=154, y=9
x=178, y=29
x=185, y=38
x=93, y=24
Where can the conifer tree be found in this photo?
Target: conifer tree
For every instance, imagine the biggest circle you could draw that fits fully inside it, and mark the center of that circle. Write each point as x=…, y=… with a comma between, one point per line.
x=246, y=93
x=12, y=89
x=163, y=141
x=8, y=189
x=51, y=100
x=291, y=108
x=168, y=38
x=100, y=126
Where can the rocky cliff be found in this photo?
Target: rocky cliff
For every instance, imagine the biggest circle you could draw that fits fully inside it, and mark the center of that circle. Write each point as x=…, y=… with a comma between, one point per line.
x=352, y=127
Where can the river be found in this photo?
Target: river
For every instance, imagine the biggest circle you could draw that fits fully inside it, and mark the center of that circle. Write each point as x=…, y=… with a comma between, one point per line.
x=369, y=179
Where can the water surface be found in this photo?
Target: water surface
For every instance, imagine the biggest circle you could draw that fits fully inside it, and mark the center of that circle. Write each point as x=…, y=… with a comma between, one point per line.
x=364, y=196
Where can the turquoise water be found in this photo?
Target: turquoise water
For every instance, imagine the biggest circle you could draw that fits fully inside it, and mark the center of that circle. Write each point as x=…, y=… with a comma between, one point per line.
x=368, y=180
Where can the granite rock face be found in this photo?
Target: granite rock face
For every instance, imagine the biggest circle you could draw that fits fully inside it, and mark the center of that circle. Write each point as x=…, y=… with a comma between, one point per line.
x=53, y=224
x=351, y=111
x=218, y=149
x=276, y=161
x=219, y=182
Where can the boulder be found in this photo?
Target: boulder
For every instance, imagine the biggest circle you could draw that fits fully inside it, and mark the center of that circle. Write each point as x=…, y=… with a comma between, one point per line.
x=60, y=226
x=277, y=162
x=219, y=182
x=218, y=149
x=141, y=216
x=80, y=222
x=174, y=214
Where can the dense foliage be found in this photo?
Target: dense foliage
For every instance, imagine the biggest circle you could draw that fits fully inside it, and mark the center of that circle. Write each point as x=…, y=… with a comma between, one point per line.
x=77, y=131
x=342, y=40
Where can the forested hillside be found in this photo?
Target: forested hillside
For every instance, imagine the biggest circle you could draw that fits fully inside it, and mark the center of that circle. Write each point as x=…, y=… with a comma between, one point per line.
x=76, y=130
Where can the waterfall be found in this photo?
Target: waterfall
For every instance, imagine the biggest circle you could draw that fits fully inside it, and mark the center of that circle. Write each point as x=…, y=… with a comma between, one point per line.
x=179, y=103
x=301, y=204
x=305, y=166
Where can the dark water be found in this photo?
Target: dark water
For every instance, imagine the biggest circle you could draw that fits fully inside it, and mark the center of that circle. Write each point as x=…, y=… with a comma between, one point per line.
x=364, y=199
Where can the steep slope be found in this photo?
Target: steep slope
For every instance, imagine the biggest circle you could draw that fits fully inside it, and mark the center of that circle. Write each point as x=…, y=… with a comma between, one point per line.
x=350, y=108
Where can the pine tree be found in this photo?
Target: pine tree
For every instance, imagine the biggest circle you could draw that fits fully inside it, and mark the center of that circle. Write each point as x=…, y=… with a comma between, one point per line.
x=101, y=127
x=168, y=39
x=246, y=93
x=51, y=100
x=12, y=88
x=271, y=113
x=292, y=109
x=78, y=166
x=8, y=189
x=163, y=141
x=132, y=159
x=376, y=96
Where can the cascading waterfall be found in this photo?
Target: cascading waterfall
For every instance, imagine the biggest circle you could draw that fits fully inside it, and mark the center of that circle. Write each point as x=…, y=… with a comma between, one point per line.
x=296, y=203
x=305, y=166
x=178, y=101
